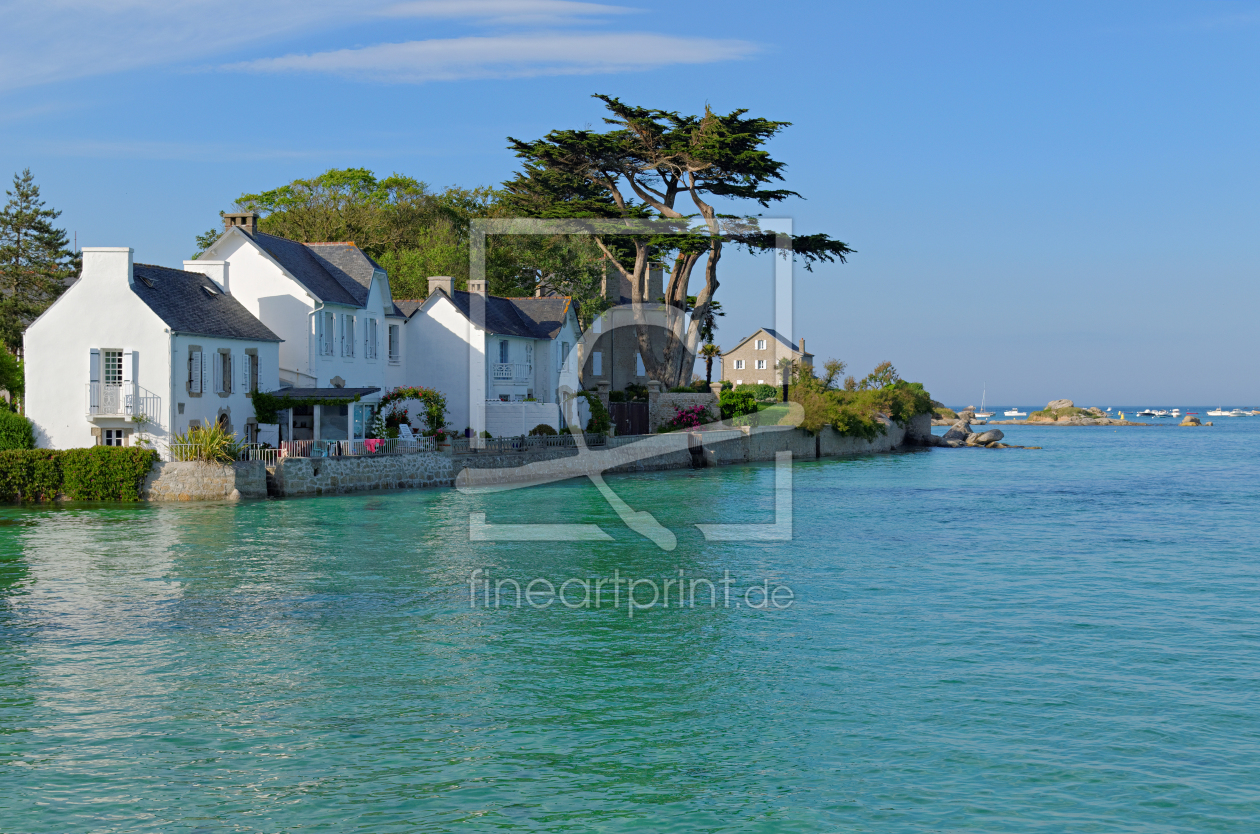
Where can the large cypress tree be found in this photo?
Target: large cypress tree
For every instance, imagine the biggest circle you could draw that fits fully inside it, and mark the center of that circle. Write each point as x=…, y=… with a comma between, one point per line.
x=673, y=167
x=36, y=262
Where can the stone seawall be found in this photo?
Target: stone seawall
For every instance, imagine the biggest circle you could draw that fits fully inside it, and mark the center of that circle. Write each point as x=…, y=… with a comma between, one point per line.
x=326, y=476
x=677, y=450
x=191, y=481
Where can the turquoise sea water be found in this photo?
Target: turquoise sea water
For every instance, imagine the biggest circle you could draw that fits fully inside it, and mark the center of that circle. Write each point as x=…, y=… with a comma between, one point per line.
x=1062, y=640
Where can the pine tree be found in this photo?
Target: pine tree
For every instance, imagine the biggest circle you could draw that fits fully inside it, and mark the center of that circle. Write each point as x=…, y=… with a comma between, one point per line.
x=36, y=263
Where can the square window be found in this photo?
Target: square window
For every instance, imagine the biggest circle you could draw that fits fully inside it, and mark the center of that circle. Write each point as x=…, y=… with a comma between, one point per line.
x=761, y=344
x=739, y=364
x=113, y=437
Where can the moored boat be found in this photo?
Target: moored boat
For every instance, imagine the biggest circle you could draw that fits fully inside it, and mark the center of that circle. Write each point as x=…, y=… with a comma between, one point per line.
x=1015, y=412
x=1219, y=412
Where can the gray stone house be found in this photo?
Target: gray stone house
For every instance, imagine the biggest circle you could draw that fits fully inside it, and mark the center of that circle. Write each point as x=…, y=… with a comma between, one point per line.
x=753, y=361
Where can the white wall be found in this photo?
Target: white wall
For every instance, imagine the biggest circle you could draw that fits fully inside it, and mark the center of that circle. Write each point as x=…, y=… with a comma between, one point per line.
x=206, y=406
x=514, y=419
x=97, y=311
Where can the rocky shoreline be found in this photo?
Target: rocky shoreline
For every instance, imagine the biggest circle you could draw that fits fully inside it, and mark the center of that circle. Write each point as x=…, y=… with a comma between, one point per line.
x=1056, y=413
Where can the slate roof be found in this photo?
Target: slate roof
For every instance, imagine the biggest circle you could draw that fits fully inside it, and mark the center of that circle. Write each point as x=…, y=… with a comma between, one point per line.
x=337, y=273
x=532, y=318
x=181, y=300
x=774, y=335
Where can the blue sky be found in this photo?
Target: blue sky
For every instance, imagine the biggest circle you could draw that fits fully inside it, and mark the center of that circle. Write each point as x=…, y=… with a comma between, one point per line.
x=1050, y=199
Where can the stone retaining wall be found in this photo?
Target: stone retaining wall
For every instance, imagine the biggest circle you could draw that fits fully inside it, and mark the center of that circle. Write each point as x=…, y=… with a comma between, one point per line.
x=191, y=481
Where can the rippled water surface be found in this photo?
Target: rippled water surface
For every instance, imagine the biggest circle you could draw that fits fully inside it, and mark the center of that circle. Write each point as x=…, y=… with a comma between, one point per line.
x=1006, y=641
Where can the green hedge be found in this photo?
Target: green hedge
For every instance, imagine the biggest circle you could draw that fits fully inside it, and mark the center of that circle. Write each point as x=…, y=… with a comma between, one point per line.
x=99, y=473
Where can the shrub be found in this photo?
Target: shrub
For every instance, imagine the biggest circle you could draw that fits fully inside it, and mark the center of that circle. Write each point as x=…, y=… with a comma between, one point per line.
x=601, y=421
x=854, y=411
x=16, y=432
x=616, y=396
x=635, y=391
x=760, y=391
x=687, y=418
x=542, y=429
x=208, y=444
x=727, y=385
x=737, y=403
x=105, y=473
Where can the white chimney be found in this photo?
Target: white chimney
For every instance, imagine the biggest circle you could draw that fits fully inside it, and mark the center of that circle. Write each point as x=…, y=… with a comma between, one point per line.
x=108, y=264
x=477, y=286
x=444, y=283
x=216, y=271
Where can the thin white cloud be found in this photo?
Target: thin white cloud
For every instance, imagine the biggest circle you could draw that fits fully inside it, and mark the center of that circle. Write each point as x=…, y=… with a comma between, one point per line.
x=533, y=12
x=57, y=40
x=507, y=56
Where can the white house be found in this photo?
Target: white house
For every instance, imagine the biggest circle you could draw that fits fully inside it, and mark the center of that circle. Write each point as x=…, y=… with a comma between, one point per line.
x=507, y=358
x=132, y=352
x=331, y=305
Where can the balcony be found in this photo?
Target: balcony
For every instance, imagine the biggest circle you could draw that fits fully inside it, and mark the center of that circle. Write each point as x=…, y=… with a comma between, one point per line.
x=109, y=400
x=512, y=372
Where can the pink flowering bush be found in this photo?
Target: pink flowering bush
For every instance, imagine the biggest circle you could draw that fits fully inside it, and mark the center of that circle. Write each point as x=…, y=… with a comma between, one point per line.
x=687, y=418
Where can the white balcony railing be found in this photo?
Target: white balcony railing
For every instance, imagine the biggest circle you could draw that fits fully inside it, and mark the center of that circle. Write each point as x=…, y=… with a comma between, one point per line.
x=109, y=400
x=504, y=371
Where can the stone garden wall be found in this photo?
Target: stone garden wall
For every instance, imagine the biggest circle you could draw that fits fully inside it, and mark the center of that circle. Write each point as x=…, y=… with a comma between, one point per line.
x=663, y=407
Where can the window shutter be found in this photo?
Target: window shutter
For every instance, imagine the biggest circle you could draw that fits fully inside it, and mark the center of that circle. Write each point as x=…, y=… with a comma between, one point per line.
x=231, y=369
x=94, y=378
x=194, y=372
x=205, y=358
x=218, y=373
x=319, y=332
x=245, y=371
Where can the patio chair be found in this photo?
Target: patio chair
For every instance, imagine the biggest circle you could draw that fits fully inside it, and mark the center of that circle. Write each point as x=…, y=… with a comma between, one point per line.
x=406, y=437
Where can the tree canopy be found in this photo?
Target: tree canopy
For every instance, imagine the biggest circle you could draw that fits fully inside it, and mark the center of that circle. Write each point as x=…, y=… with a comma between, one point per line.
x=664, y=165
x=36, y=263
